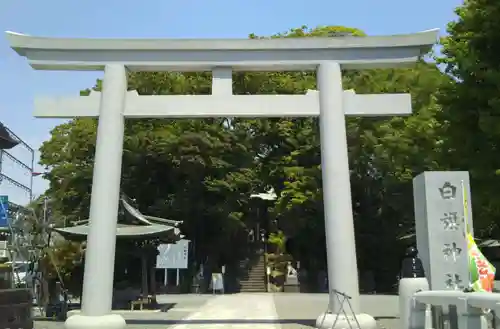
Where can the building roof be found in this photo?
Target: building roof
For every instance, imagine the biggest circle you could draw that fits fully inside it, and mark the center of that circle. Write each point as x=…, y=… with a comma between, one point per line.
x=124, y=231
x=132, y=225
x=7, y=141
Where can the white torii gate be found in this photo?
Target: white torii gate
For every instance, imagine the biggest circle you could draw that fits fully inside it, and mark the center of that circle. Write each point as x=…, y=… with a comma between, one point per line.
x=221, y=56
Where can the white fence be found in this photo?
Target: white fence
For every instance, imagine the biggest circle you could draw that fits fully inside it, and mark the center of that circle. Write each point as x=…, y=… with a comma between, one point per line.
x=474, y=310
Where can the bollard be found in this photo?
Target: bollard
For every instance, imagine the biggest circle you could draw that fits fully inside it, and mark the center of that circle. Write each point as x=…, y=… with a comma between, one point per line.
x=412, y=315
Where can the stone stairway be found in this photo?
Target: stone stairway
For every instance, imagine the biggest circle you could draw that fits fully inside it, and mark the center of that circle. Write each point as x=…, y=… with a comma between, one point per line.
x=253, y=278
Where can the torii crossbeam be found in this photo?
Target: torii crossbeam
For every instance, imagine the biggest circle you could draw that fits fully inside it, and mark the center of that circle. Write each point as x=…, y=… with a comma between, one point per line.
x=201, y=106
x=221, y=56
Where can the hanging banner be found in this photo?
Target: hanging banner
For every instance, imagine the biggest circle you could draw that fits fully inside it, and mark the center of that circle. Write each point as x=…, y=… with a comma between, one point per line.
x=4, y=211
x=482, y=272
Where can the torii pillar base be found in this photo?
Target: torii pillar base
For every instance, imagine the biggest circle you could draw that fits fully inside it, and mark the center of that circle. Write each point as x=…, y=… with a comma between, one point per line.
x=340, y=321
x=109, y=321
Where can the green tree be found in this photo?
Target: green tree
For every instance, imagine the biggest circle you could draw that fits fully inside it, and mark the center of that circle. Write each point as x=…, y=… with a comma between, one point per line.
x=203, y=171
x=198, y=171
x=472, y=106
x=384, y=153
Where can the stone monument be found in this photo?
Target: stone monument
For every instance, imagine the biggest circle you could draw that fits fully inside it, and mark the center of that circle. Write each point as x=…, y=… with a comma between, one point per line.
x=440, y=227
x=443, y=217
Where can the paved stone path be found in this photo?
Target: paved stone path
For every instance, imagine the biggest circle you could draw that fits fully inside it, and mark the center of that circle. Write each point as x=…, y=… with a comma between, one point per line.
x=245, y=311
x=239, y=311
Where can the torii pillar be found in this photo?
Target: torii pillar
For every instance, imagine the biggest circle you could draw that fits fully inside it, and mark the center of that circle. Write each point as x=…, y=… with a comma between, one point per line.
x=222, y=57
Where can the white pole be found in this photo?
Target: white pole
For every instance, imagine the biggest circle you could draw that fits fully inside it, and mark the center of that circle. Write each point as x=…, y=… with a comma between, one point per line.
x=465, y=220
x=165, y=278
x=340, y=245
x=178, y=278
x=101, y=240
x=45, y=206
x=337, y=203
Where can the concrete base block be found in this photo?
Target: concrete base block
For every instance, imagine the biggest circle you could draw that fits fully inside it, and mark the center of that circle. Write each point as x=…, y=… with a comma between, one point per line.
x=109, y=321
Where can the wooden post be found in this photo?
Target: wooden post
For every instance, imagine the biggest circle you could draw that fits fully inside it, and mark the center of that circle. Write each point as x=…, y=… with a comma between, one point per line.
x=144, y=275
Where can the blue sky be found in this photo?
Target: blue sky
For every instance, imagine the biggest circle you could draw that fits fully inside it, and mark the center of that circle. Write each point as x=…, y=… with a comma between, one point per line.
x=19, y=84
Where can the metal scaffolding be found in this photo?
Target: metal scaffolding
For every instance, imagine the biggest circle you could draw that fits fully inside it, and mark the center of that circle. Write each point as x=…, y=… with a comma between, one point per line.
x=16, y=186
x=16, y=167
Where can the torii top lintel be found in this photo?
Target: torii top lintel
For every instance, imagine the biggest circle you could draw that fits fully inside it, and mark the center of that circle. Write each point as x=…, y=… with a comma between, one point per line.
x=281, y=54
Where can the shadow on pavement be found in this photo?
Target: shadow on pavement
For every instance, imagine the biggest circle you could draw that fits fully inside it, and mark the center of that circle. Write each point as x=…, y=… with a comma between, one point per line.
x=222, y=321
x=385, y=317
x=165, y=307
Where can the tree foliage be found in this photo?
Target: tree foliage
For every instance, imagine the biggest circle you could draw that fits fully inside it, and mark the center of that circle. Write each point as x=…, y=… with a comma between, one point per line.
x=472, y=103
x=203, y=171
